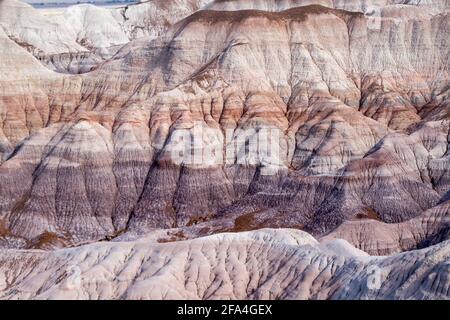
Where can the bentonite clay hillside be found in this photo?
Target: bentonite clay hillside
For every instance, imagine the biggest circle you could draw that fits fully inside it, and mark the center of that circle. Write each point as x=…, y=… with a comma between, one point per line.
x=288, y=264
x=189, y=118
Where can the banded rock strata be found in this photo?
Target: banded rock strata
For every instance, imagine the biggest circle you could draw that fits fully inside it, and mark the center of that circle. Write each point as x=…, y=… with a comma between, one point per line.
x=359, y=113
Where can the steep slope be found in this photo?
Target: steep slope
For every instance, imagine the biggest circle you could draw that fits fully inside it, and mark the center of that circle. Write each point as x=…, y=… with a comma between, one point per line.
x=28, y=101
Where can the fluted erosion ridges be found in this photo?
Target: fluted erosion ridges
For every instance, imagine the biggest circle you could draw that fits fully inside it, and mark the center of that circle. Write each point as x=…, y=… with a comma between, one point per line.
x=321, y=118
x=264, y=264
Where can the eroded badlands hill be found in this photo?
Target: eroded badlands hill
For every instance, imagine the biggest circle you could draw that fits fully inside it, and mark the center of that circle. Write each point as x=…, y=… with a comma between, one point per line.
x=356, y=107
x=265, y=264
x=85, y=35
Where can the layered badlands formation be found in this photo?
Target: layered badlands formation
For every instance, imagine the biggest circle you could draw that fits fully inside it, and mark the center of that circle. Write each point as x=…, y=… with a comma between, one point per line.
x=204, y=117
x=264, y=264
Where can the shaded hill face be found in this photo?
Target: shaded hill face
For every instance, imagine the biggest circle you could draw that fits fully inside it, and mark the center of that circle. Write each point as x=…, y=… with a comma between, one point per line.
x=314, y=118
